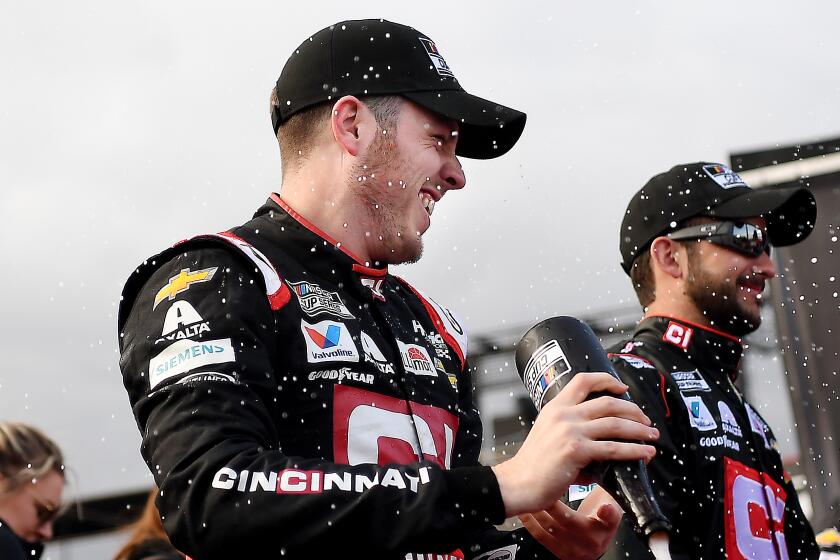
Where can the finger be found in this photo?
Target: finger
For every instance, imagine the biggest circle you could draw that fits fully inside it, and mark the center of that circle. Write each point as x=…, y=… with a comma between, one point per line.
x=609, y=515
x=594, y=500
x=560, y=517
x=533, y=526
x=618, y=429
x=585, y=383
x=611, y=406
x=619, y=451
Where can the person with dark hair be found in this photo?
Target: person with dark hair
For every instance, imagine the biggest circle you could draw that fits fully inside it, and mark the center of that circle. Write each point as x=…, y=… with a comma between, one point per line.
x=296, y=397
x=696, y=242
x=147, y=539
x=31, y=483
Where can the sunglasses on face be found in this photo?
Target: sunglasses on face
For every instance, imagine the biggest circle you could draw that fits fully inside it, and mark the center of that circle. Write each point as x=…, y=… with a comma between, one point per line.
x=748, y=239
x=46, y=513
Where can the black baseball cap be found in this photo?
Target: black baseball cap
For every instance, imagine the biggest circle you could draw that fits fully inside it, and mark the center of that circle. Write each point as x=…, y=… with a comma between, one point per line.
x=378, y=57
x=711, y=189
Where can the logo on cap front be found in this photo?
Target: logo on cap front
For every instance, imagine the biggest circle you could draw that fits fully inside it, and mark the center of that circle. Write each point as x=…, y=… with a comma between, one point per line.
x=437, y=59
x=723, y=176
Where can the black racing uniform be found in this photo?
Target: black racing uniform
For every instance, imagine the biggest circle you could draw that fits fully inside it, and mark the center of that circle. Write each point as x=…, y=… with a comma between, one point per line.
x=717, y=473
x=295, y=402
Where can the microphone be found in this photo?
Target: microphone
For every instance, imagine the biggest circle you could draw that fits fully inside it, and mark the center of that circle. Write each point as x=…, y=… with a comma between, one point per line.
x=547, y=357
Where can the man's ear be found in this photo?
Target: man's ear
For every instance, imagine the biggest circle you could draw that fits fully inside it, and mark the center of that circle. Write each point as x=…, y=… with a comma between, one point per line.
x=667, y=257
x=352, y=124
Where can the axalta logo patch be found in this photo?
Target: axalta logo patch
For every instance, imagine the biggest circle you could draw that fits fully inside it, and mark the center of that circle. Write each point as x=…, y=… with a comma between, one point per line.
x=688, y=381
x=548, y=363
x=374, y=355
x=182, y=321
x=295, y=481
x=182, y=283
x=328, y=341
x=699, y=414
x=728, y=421
x=437, y=59
x=416, y=359
x=186, y=355
x=723, y=176
x=314, y=300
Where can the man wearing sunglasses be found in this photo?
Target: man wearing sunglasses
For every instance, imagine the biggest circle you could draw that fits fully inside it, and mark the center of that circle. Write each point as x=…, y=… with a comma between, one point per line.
x=696, y=242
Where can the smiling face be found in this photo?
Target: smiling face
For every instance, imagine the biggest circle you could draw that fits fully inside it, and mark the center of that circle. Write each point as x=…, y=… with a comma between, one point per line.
x=403, y=173
x=30, y=509
x=726, y=286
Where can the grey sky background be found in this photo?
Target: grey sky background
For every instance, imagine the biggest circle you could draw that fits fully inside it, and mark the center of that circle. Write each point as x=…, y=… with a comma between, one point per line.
x=127, y=126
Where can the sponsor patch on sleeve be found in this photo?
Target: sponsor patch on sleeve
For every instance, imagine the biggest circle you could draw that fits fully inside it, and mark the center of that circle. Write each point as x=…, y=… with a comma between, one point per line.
x=182, y=282
x=185, y=355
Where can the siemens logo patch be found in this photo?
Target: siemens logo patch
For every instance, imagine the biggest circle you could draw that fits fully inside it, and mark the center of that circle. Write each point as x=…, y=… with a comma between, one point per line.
x=186, y=355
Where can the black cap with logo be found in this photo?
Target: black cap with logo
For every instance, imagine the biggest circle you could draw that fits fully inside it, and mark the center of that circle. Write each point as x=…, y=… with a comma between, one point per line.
x=711, y=189
x=378, y=57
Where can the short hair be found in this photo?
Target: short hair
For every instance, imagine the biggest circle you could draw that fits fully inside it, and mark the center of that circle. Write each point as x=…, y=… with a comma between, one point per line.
x=641, y=272
x=26, y=454
x=296, y=136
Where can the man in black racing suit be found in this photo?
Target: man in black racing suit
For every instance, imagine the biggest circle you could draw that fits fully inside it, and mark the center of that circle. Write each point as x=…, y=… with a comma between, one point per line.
x=296, y=399
x=696, y=242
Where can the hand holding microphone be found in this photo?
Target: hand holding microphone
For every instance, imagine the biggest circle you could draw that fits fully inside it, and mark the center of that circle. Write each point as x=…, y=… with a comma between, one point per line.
x=569, y=434
x=549, y=358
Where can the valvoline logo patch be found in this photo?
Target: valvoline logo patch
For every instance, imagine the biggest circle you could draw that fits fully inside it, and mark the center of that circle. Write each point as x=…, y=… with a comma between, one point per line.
x=328, y=341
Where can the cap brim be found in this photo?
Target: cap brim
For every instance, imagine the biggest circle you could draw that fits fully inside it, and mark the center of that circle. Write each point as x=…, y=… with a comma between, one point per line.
x=486, y=129
x=791, y=212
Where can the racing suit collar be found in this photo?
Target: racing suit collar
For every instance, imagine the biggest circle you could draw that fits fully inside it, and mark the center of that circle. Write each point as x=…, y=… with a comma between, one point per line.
x=310, y=236
x=710, y=349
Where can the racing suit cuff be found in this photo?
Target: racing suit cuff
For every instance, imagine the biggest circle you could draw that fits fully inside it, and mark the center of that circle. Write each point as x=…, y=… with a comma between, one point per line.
x=476, y=490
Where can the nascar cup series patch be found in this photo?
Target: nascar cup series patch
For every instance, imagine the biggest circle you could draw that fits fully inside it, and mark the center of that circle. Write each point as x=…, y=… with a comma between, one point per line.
x=547, y=365
x=314, y=299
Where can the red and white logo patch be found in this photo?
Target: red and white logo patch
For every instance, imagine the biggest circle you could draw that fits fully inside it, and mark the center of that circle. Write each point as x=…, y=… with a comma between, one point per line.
x=369, y=428
x=755, y=509
x=678, y=335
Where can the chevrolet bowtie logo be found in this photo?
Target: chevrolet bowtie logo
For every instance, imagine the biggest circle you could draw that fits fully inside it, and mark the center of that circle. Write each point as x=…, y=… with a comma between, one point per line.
x=181, y=283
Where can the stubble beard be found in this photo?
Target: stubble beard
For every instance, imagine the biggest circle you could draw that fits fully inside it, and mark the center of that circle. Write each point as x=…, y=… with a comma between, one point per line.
x=395, y=246
x=721, y=302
